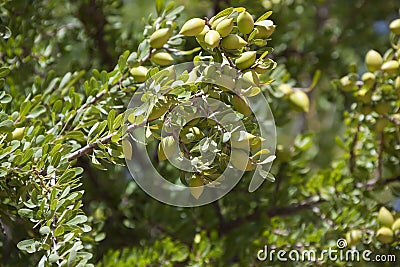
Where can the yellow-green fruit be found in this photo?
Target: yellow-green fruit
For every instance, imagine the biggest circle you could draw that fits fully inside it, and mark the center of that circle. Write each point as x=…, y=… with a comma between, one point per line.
x=246, y=60
x=390, y=67
x=241, y=140
x=353, y=237
x=241, y=105
x=396, y=225
x=193, y=27
x=385, y=217
x=373, y=60
x=225, y=27
x=245, y=22
x=196, y=186
x=200, y=36
x=264, y=32
x=381, y=124
x=285, y=88
x=214, y=22
x=17, y=134
x=382, y=108
x=159, y=109
x=161, y=58
x=160, y=37
x=369, y=79
x=212, y=39
x=139, y=73
x=364, y=95
x=347, y=84
x=394, y=26
x=397, y=83
x=384, y=235
x=299, y=101
x=240, y=160
x=166, y=148
x=233, y=41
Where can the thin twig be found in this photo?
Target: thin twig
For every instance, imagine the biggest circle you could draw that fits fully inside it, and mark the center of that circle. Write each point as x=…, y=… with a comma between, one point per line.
x=353, y=147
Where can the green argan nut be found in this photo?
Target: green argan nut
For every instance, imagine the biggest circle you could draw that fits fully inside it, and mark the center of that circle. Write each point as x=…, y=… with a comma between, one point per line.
x=246, y=60
x=353, y=237
x=212, y=38
x=225, y=27
x=382, y=108
x=396, y=225
x=285, y=88
x=241, y=105
x=385, y=217
x=161, y=58
x=139, y=73
x=394, y=26
x=369, y=79
x=166, y=148
x=200, y=36
x=390, y=67
x=160, y=37
x=347, y=84
x=298, y=100
x=17, y=134
x=53, y=258
x=264, y=32
x=397, y=83
x=233, y=41
x=245, y=22
x=214, y=22
x=384, y=235
x=44, y=230
x=364, y=95
x=373, y=60
x=192, y=27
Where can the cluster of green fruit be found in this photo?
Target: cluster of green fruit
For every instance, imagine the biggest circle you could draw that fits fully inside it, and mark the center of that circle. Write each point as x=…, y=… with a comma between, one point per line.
x=297, y=98
x=378, y=88
x=389, y=229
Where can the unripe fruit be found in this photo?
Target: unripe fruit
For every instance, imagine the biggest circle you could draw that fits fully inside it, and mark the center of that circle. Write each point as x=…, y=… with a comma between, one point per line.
x=139, y=73
x=397, y=83
x=353, y=237
x=264, y=32
x=212, y=39
x=160, y=37
x=196, y=186
x=285, y=88
x=161, y=58
x=166, y=148
x=364, y=95
x=394, y=26
x=373, y=60
x=369, y=79
x=192, y=27
x=347, y=84
x=299, y=101
x=246, y=60
x=245, y=22
x=241, y=105
x=44, y=230
x=396, y=225
x=214, y=22
x=225, y=27
x=390, y=67
x=382, y=108
x=200, y=36
x=53, y=258
x=385, y=218
x=17, y=134
x=233, y=41
x=384, y=235
x=240, y=160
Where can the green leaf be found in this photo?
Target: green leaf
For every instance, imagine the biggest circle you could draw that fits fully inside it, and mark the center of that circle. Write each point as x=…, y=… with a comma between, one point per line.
x=110, y=120
x=4, y=71
x=317, y=76
x=27, y=245
x=59, y=230
x=6, y=126
x=78, y=219
x=159, y=6
x=26, y=213
x=223, y=13
x=264, y=16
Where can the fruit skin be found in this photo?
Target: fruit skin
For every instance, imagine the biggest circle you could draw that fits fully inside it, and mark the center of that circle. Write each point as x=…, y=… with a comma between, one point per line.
x=264, y=32
x=160, y=37
x=396, y=225
x=166, y=148
x=385, y=217
x=200, y=36
x=17, y=134
x=285, y=88
x=246, y=60
x=225, y=27
x=373, y=60
x=390, y=67
x=299, y=101
x=139, y=73
x=212, y=38
x=353, y=237
x=384, y=235
x=214, y=22
x=245, y=22
x=161, y=58
x=394, y=26
x=192, y=27
x=397, y=83
x=241, y=105
x=369, y=79
x=233, y=41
